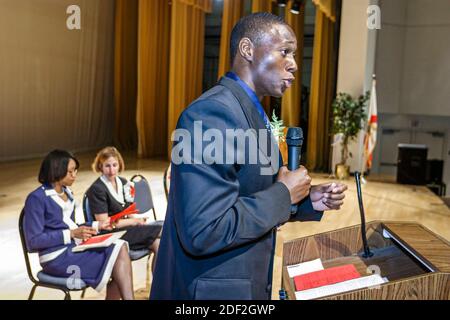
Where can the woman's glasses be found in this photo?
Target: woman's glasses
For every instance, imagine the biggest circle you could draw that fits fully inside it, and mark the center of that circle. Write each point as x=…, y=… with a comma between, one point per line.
x=72, y=172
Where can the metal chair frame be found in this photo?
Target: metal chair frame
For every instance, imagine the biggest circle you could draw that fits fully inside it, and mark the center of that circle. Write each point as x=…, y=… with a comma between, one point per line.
x=36, y=282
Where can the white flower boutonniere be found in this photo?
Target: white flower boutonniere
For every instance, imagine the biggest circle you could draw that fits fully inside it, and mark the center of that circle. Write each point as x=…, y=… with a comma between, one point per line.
x=277, y=127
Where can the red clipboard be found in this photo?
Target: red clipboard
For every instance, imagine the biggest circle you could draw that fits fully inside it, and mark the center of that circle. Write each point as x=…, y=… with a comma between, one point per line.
x=97, y=239
x=130, y=210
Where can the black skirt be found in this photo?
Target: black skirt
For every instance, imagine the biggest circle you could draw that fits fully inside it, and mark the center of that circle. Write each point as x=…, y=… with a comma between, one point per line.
x=142, y=237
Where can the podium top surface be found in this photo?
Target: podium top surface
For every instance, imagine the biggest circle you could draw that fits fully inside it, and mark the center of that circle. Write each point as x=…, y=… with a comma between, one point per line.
x=414, y=259
x=423, y=243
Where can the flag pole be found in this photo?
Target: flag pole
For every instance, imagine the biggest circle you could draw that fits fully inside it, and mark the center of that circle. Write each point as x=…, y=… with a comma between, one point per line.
x=367, y=131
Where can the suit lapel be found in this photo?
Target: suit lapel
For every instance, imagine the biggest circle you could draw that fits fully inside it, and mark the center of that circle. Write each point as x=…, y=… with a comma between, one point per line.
x=253, y=117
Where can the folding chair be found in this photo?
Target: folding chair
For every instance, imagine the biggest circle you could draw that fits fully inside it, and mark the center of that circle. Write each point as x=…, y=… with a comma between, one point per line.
x=143, y=197
x=144, y=203
x=43, y=279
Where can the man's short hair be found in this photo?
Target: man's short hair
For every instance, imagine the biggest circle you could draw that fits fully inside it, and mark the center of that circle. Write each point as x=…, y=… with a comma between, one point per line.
x=54, y=166
x=254, y=27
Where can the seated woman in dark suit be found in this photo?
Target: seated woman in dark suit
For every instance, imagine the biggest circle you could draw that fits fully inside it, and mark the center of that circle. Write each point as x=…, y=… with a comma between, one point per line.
x=50, y=229
x=111, y=194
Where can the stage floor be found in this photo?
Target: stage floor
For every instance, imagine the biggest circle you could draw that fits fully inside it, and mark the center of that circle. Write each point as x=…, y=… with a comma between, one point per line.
x=383, y=200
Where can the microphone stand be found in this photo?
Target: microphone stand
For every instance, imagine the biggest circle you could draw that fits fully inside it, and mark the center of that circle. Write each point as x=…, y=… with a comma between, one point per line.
x=367, y=253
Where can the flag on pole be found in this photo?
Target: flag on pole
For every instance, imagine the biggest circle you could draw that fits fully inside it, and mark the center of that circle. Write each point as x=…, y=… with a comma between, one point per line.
x=371, y=133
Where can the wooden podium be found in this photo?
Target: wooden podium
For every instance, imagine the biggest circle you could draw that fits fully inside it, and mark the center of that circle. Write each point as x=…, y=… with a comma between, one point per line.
x=414, y=260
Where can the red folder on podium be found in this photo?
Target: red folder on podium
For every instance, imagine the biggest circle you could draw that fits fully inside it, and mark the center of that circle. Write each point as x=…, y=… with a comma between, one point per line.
x=325, y=277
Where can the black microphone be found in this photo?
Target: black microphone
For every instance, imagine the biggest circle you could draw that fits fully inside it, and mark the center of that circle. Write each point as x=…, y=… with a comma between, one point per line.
x=367, y=253
x=294, y=141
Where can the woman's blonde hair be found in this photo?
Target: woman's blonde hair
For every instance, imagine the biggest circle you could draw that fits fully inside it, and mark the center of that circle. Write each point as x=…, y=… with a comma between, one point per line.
x=104, y=155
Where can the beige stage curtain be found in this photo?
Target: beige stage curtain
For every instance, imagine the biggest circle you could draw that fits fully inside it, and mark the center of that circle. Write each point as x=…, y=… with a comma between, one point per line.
x=262, y=5
x=56, y=84
x=125, y=74
x=153, y=77
x=233, y=10
x=327, y=7
x=203, y=5
x=186, y=57
x=291, y=101
x=322, y=80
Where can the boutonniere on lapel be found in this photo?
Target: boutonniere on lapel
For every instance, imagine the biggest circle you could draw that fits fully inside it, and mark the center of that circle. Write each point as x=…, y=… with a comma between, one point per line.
x=279, y=132
x=277, y=127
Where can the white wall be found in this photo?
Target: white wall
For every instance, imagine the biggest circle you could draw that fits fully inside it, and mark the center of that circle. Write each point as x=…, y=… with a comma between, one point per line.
x=412, y=57
x=390, y=55
x=426, y=71
x=356, y=63
x=413, y=74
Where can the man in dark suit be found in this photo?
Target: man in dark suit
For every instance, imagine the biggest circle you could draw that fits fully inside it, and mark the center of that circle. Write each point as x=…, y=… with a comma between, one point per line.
x=219, y=234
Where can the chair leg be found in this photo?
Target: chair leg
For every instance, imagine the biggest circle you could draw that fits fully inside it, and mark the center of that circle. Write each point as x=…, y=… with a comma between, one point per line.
x=148, y=269
x=83, y=293
x=67, y=297
x=30, y=297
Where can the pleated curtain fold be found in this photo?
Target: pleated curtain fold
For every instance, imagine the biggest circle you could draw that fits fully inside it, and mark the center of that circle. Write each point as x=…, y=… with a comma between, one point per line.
x=153, y=77
x=322, y=86
x=262, y=5
x=125, y=73
x=327, y=7
x=165, y=74
x=186, y=57
x=170, y=69
x=233, y=10
x=291, y=101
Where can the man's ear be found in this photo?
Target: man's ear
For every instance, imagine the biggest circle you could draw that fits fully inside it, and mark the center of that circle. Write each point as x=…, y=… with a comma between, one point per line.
x=245, y=49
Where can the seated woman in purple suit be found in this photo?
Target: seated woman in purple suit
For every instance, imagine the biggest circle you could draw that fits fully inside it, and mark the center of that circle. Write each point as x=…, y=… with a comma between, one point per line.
x=51, y=231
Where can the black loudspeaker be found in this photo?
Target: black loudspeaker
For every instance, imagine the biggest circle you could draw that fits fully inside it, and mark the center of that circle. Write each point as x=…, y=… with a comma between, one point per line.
x=412, y=164
x=435, y=170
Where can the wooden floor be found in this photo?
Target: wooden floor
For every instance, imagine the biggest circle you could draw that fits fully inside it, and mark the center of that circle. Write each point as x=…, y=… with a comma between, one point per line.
x=382, y=200
x=20, y=178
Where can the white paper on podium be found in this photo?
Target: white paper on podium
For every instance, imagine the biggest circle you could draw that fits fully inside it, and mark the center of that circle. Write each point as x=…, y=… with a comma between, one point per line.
x=345, y=286
x=304, y=268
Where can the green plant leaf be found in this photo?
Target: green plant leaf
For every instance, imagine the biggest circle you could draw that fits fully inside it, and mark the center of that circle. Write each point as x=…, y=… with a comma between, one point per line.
x=349, y=116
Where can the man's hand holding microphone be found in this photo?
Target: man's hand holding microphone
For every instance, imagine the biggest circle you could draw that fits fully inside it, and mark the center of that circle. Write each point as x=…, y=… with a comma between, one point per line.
x=298, y=182
x=328, y=196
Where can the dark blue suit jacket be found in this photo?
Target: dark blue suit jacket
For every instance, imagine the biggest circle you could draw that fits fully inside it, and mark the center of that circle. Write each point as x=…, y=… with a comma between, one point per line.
x=218, y=238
